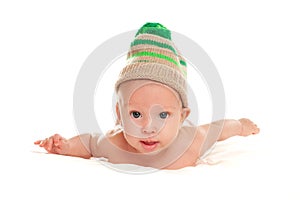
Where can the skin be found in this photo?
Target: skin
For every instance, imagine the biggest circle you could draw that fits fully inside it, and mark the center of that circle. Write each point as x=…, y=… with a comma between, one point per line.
x=141, y=101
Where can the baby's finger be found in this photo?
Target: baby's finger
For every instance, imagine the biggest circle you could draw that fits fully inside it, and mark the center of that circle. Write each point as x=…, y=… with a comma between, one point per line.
x=38, y=142
x=50, y=144
x=257, y=130
x=46, y=145
x=43, y=142
x=56, y=139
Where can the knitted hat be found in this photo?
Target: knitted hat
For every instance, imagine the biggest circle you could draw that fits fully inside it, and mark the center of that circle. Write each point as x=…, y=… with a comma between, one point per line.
x=153, y=56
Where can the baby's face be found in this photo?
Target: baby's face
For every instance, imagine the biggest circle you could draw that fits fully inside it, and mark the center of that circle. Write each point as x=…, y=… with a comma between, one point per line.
x=151, y=115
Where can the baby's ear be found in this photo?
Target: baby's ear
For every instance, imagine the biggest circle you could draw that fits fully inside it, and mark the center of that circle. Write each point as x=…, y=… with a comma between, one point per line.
x=185, y=112
x=118, y=113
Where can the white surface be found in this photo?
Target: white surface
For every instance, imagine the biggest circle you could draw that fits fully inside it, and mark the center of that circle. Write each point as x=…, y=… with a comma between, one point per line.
x=255, y=46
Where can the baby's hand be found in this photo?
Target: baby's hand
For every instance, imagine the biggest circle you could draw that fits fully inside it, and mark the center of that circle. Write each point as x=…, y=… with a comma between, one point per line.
x=54, y=144
x=248, y=127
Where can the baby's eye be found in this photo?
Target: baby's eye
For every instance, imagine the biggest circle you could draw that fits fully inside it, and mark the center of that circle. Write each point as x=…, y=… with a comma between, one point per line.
x=163, y=115
x=136, y=114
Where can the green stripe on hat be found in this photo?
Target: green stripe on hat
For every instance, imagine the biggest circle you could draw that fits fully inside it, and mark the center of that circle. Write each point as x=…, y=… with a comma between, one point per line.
x=152, y=54
x=155, y=43
x=182, y=62
x=155, y=29
x=161, y=56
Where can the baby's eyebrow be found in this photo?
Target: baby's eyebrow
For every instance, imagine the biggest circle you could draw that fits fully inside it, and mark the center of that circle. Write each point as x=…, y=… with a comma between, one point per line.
x=169, y=107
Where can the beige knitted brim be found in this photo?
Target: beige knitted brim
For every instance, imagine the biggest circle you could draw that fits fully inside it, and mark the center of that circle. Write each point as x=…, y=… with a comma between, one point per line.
x=155, y=72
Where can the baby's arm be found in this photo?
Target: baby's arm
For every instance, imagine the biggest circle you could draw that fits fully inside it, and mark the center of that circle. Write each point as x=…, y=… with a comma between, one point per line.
x=224, y=129
x=76, y=146
x=241, y=127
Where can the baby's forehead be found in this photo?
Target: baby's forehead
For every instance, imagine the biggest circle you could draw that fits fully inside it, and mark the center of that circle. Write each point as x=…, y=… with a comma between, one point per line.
x=128, y=89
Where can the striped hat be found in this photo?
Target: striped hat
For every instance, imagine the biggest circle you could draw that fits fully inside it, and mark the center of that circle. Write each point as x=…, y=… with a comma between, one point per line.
x=153, y=56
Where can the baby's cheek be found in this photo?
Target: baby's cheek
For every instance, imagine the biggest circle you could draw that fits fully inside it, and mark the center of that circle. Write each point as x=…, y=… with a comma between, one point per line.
x=169, y=132
x=132, y=141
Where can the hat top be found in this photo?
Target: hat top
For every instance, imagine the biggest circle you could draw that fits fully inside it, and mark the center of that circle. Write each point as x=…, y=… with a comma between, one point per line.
x=153, y=44
x=155, y=29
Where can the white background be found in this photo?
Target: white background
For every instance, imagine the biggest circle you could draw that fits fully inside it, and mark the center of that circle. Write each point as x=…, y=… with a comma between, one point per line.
x=255, y=46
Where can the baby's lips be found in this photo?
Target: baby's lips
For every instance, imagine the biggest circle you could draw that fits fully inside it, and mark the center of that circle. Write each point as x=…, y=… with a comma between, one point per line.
x=149, y=142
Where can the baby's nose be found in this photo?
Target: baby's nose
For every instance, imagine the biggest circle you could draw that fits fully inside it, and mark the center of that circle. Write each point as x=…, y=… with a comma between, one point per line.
x=149, y=130
x=150, y=126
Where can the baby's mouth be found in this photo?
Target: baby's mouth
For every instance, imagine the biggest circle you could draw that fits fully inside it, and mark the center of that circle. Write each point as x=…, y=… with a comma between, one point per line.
x=149, y=145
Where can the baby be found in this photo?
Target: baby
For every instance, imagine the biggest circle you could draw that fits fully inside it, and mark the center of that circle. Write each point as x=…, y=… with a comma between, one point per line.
x=151, y=108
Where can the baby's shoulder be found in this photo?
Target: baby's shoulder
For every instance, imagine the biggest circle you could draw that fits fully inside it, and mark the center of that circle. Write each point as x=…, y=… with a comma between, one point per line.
x=194, y=133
